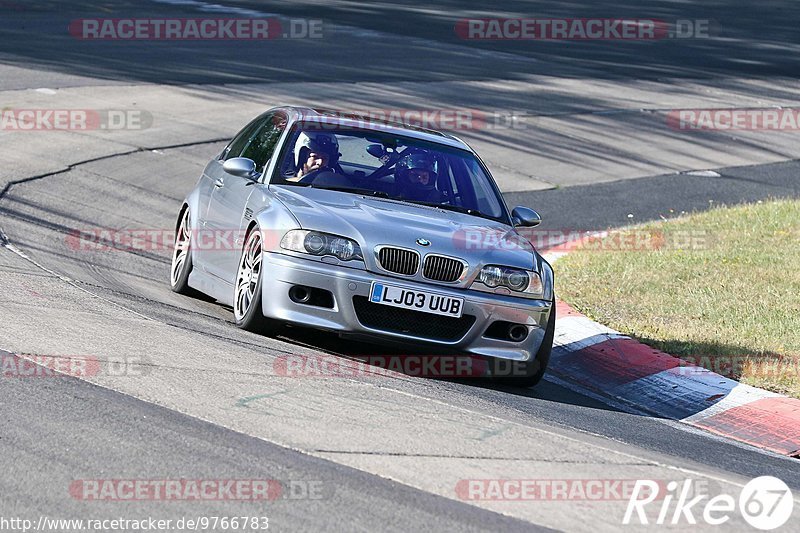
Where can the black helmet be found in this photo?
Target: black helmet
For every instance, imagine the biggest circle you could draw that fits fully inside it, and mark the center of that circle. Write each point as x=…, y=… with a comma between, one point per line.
x=320, y=143
x=418, y=161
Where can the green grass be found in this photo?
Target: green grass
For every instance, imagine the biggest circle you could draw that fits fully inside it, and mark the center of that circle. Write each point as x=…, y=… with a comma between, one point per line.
x=718, y=287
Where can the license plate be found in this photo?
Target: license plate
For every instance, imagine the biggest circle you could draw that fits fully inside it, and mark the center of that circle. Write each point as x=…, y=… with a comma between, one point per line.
x=425, y=302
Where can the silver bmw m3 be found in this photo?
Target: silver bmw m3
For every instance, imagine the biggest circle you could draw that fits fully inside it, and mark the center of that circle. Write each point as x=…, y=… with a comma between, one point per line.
x=369, y=229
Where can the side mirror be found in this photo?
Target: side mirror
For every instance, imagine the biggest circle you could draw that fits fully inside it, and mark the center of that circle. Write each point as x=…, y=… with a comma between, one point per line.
x=242, y=167
x=376, y=150
x=525, y=217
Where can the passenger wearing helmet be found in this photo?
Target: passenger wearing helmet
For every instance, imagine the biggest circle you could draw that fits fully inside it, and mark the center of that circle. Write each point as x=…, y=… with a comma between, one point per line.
x=315, y=151
x=416, y=178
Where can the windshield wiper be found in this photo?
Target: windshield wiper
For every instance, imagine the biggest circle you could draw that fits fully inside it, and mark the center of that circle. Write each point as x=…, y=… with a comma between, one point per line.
x=448, y=207
x=353, y=190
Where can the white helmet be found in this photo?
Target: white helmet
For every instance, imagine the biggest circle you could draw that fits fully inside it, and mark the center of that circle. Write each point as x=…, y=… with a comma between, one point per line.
x=320, y=143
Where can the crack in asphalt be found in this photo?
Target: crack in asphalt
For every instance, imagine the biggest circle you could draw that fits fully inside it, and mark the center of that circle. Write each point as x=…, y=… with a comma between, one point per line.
x=4, y=240
x=483, y=457
x=73, y=166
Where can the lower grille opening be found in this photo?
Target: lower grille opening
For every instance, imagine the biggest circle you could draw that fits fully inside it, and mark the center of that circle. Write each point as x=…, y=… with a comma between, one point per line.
x=414, y=323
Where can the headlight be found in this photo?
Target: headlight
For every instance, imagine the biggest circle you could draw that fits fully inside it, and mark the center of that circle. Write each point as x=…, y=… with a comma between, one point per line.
x=525, y=282
x=491, y=276
x=318, y=243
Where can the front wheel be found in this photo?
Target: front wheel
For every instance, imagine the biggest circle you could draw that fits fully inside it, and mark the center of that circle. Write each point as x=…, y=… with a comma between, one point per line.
x=181, y=265
x=534, y=369
x=247, y=293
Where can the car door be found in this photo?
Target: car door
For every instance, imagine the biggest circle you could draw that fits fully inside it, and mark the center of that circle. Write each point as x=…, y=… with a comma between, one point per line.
x=224, y=221
x=204, y=248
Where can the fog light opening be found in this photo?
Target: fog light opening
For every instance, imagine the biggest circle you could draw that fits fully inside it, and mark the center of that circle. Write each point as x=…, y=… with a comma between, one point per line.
x=299, y=295
x=517, y=333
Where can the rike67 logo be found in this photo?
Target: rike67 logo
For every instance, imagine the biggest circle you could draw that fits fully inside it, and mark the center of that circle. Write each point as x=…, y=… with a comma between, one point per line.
x=765, y=503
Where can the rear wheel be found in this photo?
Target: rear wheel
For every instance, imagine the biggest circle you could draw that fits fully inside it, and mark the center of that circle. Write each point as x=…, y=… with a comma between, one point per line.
x=182, y=256
x=534, y=369
x=247, y=293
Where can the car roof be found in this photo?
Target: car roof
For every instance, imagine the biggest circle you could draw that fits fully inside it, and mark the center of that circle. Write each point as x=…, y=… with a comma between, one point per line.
x=367, y=122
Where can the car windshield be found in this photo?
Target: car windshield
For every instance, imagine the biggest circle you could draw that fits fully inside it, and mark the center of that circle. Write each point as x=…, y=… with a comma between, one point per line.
x=377, y=163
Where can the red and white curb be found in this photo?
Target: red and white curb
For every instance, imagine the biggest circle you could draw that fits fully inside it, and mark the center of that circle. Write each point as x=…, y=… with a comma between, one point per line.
x=640, y=379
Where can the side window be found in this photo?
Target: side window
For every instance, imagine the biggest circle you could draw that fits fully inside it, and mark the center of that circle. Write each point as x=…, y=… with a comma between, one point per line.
x=235, y=147
x=262, y=144
x=478, y=186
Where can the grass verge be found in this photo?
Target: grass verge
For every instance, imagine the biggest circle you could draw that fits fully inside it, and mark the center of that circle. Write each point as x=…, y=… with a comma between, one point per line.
x=720, y=289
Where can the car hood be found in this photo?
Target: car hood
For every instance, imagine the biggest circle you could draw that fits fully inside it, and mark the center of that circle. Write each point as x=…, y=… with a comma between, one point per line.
x=377, y=221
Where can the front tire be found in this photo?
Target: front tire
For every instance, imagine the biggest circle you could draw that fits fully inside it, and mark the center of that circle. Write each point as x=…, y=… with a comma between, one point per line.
x=181, y=265
x=247, y=295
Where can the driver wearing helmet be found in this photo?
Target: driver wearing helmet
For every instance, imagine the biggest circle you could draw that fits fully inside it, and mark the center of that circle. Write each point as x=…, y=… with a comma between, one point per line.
x=315, y=151
x=416, y=178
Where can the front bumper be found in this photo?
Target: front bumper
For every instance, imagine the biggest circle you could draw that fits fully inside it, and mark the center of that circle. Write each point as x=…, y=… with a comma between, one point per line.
x=281, y=272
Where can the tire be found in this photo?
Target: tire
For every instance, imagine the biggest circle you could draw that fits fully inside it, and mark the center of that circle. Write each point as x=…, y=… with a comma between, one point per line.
x=247, y=295
x=536, y=368
x=181, y=265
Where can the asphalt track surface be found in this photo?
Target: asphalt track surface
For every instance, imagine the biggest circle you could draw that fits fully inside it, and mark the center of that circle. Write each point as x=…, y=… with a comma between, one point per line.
x=386, y=449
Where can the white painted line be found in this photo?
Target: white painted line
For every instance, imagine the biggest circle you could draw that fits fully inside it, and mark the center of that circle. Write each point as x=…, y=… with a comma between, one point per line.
x=578, y=332
x=703, y=173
